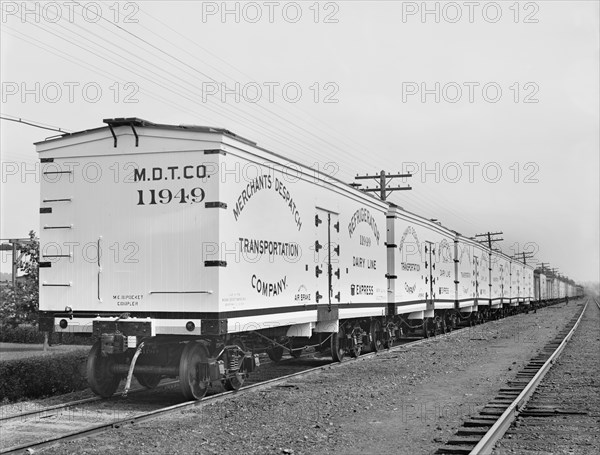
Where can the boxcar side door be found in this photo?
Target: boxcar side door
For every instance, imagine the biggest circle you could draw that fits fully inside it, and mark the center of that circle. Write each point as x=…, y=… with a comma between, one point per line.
x=327, y=257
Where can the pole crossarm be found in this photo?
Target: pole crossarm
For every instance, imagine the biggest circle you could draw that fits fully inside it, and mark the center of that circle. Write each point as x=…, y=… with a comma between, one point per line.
x=383, y=180
x=489, y=238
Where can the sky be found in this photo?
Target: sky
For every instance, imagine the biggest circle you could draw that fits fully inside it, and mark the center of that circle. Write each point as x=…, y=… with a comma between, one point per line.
x=493, y=106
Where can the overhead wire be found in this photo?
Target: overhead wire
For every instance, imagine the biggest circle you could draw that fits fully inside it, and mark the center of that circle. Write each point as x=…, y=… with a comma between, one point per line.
x=316, y=124
x=247, y=119
x=32, y=123
x=184, y=92
x=187, y=65
x=90, y=66
x=427, y=201
x=330, y=129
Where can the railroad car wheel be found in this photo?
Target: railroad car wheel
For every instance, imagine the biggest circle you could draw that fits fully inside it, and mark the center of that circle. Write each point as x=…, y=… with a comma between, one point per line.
x=388, y=341
x=100, y=379
x=275, y=353
x=338, y=341
x=445, y=326
x=427, y=330
x=436, y=326
x=376, y=336
x=452, y=322
x=235, y=382
x=355, y=345
x=472, y=319
x=148, y=380
x=193, y=376
x=355, y=350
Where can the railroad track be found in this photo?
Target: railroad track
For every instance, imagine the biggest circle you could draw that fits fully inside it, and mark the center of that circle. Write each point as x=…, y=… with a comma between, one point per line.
x=563, y=414
x=44, y=427
x=75, y=420
x=42, y=412
x=479, y=434
x=48, y=426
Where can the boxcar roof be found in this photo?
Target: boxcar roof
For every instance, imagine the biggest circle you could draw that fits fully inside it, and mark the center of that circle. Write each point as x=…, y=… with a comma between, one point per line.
x=134, y=121
x=141, y=123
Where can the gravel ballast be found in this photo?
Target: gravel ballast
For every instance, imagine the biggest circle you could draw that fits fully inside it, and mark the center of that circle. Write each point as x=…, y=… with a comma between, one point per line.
x=563, y=415
x=408, y=401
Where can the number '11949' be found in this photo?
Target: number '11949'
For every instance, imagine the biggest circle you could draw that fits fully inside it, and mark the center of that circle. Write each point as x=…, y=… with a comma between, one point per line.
x=165, y=196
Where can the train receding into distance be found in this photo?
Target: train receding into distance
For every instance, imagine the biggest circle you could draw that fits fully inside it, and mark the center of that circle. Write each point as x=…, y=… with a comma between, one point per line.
x=186, y=251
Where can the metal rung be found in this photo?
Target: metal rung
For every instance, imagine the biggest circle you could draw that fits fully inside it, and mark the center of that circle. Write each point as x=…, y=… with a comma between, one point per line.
x=181, y=292
x=58, y=200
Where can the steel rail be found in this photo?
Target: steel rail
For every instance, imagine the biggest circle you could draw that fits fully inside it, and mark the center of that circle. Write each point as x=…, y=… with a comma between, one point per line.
x=26, y=448
x=70, y=404
x=152, y=414
x=497, y=431
x=74, y=403
x=204, y=401
x=6, y=418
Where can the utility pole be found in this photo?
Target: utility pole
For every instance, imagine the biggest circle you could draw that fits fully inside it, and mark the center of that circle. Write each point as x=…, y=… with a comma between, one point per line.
x=489, y=238
x=543, y=265
x=524, y=256
x=383, y=181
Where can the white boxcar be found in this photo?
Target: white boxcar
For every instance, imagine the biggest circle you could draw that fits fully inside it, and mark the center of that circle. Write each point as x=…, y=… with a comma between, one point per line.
x=555, y=288
x=516, y=275
x=421, y=268
x=151, y=230
x=473, y=276
x=506, y=280
x=500, y=279
x=528, y=293
x=539, y=290
x=562, y=288
x=482, y=276
x=465, y=249
x=543, y=288
x=550, y=287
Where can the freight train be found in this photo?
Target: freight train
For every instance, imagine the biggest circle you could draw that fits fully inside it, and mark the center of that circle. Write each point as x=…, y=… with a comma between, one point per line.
x=186, y=251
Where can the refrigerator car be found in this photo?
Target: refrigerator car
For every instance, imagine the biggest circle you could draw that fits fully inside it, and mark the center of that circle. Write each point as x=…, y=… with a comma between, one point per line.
x=421, y=273
x=179, y=247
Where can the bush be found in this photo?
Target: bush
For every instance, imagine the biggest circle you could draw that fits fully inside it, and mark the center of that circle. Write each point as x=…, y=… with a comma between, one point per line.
x=31, y=335
x=37, y=377
x=70, y=338
x=21, y=334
